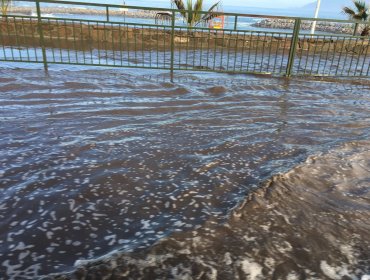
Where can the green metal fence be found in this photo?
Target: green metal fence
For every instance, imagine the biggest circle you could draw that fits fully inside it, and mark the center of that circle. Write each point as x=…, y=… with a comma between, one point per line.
x=113, y=38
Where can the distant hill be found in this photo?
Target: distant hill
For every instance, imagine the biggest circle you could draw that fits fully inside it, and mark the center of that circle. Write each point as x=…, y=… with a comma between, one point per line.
x=329, y=5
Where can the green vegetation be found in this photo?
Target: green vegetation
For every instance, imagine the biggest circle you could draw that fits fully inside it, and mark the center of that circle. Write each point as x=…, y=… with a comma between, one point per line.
x=360, y=12
x=4, y=6
x=191, y=13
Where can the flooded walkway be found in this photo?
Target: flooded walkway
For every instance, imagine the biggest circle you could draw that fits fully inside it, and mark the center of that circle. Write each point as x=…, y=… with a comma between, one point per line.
x=95, y=161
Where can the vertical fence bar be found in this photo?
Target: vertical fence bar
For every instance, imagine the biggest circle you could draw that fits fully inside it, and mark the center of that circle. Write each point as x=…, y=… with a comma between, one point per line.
x=107, y=12
x=41, y=34
x=236, y=22
x=293, y=46
x=172, y=42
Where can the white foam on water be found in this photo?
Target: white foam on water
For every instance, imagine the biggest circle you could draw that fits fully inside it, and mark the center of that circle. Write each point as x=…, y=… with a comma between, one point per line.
x=336, y=272
x=252, y=269
x=292, y=276
x=227, y=258
x=329, y=271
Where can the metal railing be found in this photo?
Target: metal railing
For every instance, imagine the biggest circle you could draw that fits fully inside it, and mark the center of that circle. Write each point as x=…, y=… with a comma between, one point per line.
x=117, y=39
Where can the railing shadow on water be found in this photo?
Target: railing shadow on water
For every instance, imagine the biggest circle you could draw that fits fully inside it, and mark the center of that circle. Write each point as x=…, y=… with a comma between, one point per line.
x=130, y=36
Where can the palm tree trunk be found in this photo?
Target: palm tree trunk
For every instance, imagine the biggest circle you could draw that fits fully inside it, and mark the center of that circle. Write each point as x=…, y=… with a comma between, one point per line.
x=355, y=31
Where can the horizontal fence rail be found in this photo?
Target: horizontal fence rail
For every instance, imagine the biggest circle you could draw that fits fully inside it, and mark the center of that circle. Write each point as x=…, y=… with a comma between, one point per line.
x=115, y=37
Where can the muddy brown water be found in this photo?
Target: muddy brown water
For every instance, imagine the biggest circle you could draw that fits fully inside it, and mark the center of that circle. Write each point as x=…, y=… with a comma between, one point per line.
x=179, y=180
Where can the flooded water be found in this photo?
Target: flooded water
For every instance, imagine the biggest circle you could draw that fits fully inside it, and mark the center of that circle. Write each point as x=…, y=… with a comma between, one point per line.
x=179, y=180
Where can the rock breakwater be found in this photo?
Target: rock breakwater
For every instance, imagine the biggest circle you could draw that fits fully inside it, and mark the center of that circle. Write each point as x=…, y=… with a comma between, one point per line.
x=330, y=27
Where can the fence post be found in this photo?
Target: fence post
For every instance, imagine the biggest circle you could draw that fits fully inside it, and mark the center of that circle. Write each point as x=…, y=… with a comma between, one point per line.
x=107, y=12
x=293, y=46
x=172, y=42
x=41, y=34
x=235, y=22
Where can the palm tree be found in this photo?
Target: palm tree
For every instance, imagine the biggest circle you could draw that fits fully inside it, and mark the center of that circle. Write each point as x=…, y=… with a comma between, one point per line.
x=192, y=13
x=361, y=12
x=4, y=6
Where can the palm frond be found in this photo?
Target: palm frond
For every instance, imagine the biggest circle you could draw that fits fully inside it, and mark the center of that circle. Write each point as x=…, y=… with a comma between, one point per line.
x=365, y=31
x=348, y=11
x=180, y=6
x=360, y=5
x=198, y=6
x=193, y=14
x=208, y=17
x=189, y=7
x=361, y=11
x=4, y=6
x=211, y=14
x=357, y=17
x=214, y=6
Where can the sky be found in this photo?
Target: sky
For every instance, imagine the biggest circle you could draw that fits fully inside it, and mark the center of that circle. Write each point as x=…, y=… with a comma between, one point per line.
x=266, y=3
x=255, y=3
x=208, y=3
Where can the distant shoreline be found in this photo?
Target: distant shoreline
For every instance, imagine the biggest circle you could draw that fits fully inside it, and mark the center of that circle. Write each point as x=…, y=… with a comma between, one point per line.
x=84, y=11
x=332, y=27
